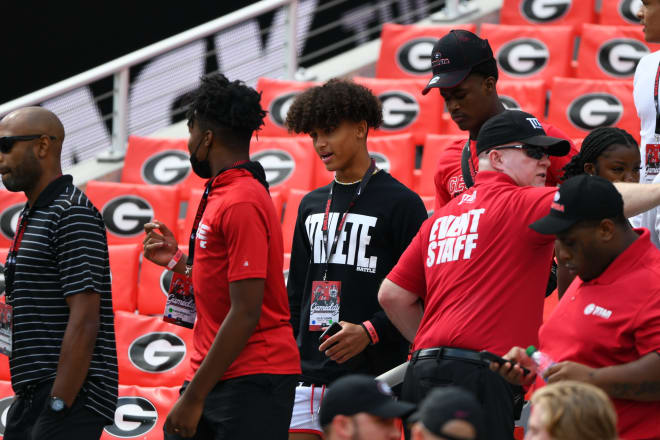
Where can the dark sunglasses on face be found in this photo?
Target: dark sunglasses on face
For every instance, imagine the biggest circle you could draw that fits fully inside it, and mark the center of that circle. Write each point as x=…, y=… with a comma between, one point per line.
x=531, y=151
x=7, y=142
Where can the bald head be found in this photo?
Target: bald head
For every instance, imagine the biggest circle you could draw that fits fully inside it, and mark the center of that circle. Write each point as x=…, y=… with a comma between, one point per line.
x=34, y=120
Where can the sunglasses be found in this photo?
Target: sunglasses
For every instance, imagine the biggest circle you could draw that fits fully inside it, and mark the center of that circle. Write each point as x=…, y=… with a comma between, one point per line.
x=531, y=151
x=7, y=142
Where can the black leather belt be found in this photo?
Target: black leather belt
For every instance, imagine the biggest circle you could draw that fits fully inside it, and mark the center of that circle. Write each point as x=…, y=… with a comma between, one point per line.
x=449, y=353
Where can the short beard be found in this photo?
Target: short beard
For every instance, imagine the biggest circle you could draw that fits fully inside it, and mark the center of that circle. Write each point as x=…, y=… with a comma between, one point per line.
x=26, y=175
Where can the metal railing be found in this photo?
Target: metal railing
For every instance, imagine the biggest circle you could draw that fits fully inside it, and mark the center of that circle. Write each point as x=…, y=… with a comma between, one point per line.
x=93, y=131
x=119, y=69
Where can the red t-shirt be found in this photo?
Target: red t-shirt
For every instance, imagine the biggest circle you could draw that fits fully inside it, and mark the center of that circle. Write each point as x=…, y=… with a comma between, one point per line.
x=448, y=176
x=479, y=269
x=239, y=237
x=612, y=320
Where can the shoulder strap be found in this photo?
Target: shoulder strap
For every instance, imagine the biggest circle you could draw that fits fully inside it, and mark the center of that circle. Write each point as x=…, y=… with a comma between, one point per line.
x=465, y=165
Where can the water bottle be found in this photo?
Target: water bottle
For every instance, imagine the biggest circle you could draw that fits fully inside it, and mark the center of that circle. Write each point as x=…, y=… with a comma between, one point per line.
x=542, y=360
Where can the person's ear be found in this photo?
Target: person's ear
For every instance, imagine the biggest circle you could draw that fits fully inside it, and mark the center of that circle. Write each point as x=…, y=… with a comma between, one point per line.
x=43, y=147
x=606, y=230
x=489, y=85
x=342, y=426
x=590, y=168
x=496, y=160
x=361, y=129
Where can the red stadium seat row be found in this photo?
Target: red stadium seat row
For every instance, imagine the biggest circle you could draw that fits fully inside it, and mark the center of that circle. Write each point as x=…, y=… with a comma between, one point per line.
x=543, y=12
x=523, y=51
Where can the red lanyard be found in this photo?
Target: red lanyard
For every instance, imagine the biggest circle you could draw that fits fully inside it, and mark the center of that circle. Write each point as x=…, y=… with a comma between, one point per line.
x=10, y=268
x=324, y=229
x=200, y=210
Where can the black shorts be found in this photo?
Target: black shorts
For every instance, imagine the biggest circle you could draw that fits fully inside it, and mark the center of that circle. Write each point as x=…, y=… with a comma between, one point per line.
x=500, y=400
x=30, y=418
x=257, y=406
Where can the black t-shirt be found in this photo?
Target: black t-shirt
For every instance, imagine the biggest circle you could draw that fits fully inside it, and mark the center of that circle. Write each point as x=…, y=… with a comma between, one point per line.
x=378, y=229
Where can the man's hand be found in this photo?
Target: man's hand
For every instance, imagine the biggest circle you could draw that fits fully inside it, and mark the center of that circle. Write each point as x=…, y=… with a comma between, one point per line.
x=514, y=373
x=184, y=416
x=569, y=371
x=159, y=248
x=350, y=341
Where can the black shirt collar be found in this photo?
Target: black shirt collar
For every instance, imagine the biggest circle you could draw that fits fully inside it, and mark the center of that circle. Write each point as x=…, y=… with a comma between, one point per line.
x=53, y=190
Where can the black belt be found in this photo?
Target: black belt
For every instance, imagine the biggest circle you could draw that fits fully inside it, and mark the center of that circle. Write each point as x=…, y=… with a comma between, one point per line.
x=449, y=353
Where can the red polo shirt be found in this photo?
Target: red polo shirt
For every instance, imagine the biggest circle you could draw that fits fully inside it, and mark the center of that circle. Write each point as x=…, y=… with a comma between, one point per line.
x=239, y=237
x=479, y=268
x=612, y=320
x=448, y=176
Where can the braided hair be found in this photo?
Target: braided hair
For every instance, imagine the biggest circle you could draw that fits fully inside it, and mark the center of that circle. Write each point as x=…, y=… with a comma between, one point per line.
x=595, y=144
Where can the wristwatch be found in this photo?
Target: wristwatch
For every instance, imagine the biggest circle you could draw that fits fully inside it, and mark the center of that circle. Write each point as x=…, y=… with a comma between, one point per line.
x=56, y=404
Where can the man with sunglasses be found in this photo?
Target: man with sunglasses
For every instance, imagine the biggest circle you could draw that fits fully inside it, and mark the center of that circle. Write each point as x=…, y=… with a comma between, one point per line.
x=60, y=341
x=480, y=271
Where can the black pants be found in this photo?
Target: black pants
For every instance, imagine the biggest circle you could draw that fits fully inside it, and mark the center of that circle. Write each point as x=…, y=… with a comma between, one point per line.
x=30, y=418
x=257, y=406
x=499, y=399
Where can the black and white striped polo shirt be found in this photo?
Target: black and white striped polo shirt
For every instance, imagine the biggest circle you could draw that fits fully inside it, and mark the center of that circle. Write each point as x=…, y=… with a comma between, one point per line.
x=63, y=252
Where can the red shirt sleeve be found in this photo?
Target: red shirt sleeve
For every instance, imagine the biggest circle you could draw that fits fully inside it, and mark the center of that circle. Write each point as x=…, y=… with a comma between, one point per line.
x=442, y=197
x=557, y=163
x=647, y=326
x=246, y=233
x=409, y=271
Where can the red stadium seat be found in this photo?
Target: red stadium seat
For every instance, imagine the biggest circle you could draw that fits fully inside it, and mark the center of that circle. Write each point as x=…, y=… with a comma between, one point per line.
x=4, y=360
x=141, y=412
x=11, y=205
x=154, y=286
x=405, y=109
x=529, y=95
x=159, y=162
x=619, y=12
x=127, y=207
x=611, y=52
x=278, y=198
x=577, y=106
x=276, y=97
x=394, y=154
x=286, y=161
x=434, y=145
x=544, y=12
x=429, y=202
x=290, y=215
x=531, y=52
x=405, y=50
x=287, y=261
x=194, y=197
x=150, y=351
x=6, y=398
x=124, y=265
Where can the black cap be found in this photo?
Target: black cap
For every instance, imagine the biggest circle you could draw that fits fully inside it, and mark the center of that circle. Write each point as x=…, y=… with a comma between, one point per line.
x=454, y=56
x=358, y=393
x=582, y=197
x=449, y=403
x=518, y=126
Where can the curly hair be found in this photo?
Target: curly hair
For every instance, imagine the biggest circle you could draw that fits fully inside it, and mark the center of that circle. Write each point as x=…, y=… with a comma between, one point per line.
x=595, y=144
x=325, y=107
x=230, y=109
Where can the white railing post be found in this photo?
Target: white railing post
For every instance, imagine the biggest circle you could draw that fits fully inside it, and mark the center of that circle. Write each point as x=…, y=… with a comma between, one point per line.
x=120, y=88
x=292, y=40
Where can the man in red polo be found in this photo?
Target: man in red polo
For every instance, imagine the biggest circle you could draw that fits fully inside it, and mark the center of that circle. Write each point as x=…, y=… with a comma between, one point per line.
x=606, y=329
x=465, y=71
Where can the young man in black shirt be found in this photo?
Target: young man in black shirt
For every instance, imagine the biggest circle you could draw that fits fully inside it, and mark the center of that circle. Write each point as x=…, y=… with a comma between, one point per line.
x=365, y=218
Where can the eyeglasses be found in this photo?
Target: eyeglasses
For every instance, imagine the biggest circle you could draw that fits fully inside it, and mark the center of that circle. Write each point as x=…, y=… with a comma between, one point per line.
x=531, y=151
x=7, y=142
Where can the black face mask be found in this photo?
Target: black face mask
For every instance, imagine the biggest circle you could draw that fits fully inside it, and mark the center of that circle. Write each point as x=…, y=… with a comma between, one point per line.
x=201, y=167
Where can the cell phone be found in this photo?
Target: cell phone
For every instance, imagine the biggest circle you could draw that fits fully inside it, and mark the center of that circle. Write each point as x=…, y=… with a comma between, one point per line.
x=332, y=330
x=492, y=357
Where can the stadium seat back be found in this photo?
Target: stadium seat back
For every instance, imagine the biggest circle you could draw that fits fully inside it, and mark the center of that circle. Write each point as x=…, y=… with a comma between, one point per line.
x=276, y=97
x=405, y=50
x=405, y=109
x=544, y=12
x=150, y=351
x=434, y=145
x=154, y=286
x=619, y=12
x=611, y=52
x=127, y=207
x=141, y=412
x=286, y=161
x=290, y=216
x=124, y=266
x=529, y=96
x=577, y=106
x=531, y=52
x=11, y=205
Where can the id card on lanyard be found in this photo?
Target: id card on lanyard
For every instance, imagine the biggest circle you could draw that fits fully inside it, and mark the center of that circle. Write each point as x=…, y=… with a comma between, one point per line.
x=326, y=295
x=652, y=157
x=6, y=310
